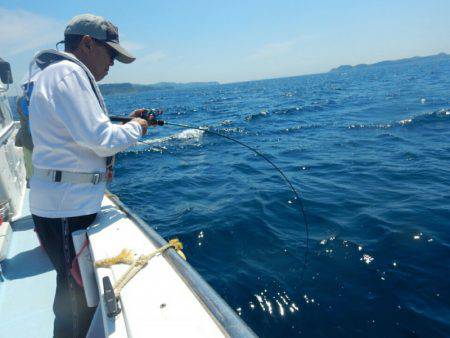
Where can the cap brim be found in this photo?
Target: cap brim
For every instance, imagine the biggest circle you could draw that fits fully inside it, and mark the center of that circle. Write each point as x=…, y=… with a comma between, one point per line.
x=122, y=55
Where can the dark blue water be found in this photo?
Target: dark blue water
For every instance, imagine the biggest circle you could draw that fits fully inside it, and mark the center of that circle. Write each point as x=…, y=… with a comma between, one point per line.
x=368, y=149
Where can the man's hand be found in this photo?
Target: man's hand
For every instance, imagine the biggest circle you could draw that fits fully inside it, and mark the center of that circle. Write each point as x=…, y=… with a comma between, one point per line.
x=143, y=123
x=138, y=118
x=143, y=113
x=139, y=112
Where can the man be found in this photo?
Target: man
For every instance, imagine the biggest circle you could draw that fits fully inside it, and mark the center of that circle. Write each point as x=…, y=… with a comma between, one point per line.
x=74, y=142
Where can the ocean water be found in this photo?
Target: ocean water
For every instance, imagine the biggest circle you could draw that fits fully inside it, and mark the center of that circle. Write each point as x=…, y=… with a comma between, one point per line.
x=369, y=152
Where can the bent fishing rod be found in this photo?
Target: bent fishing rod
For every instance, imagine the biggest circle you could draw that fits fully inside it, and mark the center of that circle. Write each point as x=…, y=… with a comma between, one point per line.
x=149, y=116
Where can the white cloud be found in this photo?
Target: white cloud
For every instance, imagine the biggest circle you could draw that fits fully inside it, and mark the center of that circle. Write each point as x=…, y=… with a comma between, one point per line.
x=272, y=50
x=22, y=31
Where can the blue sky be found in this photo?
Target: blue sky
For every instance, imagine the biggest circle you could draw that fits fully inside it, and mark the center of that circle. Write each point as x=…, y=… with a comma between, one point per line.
x=230, y=41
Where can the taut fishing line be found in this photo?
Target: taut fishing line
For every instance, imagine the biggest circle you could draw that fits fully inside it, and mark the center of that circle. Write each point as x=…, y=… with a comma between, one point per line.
x=288, y=182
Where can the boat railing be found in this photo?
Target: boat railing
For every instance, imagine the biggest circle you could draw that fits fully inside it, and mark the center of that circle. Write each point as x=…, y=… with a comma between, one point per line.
x=229, y=322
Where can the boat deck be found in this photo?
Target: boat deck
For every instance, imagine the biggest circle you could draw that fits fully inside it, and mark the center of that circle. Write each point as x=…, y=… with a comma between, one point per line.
x=167, y=298
x=29, y=282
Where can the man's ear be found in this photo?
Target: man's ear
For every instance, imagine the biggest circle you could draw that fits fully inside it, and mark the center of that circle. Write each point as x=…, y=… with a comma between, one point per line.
x=87, y=42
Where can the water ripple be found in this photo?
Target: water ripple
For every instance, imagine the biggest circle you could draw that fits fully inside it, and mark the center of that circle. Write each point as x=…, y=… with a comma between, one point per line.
x=368, y=150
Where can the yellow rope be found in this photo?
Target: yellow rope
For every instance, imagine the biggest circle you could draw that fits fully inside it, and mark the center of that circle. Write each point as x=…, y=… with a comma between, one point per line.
x=136, y=265
x=125, y=257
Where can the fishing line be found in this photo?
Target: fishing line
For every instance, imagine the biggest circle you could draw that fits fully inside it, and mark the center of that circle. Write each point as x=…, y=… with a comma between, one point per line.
x=297, y=197
x=155, y=122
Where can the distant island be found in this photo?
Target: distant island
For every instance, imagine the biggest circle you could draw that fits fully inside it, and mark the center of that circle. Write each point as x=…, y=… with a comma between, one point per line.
x=114, y=88
x=409, y=61
x=124, y=88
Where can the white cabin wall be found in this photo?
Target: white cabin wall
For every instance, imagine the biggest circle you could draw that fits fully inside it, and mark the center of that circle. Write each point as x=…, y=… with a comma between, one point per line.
x=12, y=168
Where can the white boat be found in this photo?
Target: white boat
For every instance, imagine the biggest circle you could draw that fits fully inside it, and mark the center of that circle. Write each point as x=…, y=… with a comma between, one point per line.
x=167, y=298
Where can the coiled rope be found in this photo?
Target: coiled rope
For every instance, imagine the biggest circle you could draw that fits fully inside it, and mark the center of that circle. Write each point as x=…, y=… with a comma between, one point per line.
x=136, y=265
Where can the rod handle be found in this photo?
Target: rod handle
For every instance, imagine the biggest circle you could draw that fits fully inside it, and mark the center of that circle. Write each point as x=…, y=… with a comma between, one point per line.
x=125, y=119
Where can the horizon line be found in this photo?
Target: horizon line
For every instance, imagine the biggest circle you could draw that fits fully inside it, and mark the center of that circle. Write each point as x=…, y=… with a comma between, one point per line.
x=282, y=77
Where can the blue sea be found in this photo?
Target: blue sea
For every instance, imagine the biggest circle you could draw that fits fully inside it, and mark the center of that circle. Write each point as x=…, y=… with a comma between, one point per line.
x=368, y=150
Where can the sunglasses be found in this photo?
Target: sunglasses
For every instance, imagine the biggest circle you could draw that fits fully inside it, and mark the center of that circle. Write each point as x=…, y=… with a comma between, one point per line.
x=112, y=53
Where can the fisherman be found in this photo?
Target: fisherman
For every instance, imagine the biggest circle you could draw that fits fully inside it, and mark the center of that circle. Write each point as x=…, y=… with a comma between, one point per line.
x=74, y=144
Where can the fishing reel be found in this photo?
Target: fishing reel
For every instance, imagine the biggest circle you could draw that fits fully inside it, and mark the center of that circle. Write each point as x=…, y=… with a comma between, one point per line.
x=150, y=115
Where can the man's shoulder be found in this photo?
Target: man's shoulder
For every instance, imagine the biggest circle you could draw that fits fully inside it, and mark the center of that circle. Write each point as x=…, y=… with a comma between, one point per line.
x=60, y=69
x=50, y=80
x=53, y=75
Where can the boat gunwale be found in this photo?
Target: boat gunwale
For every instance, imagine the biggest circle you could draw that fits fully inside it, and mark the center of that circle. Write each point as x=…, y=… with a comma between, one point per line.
x=227, y=320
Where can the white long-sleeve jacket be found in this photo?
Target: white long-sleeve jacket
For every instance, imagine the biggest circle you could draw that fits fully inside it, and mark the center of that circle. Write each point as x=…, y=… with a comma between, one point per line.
x=71, y=132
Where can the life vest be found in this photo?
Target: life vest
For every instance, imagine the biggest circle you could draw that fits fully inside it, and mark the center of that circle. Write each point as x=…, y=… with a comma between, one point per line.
x=23, y=135
x=41, y=61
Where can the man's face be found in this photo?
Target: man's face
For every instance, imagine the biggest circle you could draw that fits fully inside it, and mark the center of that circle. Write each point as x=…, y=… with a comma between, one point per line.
x=100, y=58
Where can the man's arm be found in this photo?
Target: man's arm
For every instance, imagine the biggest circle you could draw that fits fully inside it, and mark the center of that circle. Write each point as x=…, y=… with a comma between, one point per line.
x=80, y=112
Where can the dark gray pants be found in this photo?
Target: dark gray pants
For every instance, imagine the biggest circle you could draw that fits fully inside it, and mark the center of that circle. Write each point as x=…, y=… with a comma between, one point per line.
x=72, y=315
